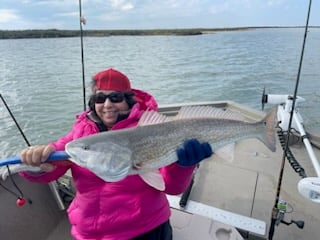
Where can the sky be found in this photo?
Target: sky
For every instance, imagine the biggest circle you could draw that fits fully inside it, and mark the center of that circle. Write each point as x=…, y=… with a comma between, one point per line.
x=155, y=14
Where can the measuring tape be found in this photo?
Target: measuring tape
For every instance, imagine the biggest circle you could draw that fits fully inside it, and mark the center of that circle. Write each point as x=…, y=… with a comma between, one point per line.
x=239, y=221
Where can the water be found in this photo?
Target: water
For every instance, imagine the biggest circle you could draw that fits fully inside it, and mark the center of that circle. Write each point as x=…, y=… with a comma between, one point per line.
x=41, y=79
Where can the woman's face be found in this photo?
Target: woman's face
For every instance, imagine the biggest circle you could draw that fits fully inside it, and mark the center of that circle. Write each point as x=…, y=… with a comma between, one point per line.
x=108, y=106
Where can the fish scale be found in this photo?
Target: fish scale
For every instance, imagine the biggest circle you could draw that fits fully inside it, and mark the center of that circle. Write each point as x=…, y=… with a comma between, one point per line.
x=218, y=133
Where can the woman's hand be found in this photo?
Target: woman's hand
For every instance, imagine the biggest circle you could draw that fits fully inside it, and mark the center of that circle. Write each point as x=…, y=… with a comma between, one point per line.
x=37, y=155
x=193, y=152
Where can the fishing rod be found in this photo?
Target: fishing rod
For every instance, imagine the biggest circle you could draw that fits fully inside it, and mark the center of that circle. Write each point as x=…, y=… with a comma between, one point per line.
x=15, y=121
x=20, y=198
x=55, y=156
x=276, y=209
x=82, y=21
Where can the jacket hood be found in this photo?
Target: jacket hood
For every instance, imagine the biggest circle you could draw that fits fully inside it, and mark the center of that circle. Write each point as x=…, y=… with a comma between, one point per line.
x=146, y=100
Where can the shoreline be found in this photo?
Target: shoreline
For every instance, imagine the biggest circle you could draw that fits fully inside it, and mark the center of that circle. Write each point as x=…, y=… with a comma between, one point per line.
x=57, y=33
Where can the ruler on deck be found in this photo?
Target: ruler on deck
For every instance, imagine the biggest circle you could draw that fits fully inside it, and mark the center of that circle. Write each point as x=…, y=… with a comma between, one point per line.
x=239, y=221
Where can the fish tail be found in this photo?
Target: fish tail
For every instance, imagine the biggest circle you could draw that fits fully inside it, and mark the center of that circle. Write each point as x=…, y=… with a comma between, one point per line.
x=269, y=122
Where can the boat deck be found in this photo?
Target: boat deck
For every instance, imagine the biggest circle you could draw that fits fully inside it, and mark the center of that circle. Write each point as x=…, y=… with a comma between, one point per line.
x=245, y=186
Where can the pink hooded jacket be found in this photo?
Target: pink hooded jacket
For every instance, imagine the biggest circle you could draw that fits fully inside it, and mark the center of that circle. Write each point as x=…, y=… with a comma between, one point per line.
x=115, y=210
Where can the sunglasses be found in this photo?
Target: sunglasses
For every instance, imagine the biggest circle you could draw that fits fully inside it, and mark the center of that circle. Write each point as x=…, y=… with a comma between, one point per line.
x=115, y=97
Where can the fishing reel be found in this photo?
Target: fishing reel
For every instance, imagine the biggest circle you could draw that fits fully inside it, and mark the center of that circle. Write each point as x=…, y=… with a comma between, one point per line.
x=281, y=211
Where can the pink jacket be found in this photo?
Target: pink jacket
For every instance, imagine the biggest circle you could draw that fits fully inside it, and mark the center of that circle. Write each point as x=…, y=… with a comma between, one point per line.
x=115, y=210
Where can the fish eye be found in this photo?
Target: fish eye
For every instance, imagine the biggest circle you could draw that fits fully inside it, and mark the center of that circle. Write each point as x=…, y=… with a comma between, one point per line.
x=137, y=166
x=86, y=147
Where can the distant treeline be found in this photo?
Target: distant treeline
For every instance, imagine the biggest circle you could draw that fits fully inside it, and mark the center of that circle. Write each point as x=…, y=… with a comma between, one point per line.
x=55, y=33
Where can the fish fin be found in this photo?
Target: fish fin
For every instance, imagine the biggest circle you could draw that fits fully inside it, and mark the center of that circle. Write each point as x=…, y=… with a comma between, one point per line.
x=208, y=112
x=269, y=122
x=226, y=152
x=153, y=179
x=152, y=117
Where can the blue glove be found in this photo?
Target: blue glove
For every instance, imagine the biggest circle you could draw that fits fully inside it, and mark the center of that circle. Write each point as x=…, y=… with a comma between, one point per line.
x=193, y=152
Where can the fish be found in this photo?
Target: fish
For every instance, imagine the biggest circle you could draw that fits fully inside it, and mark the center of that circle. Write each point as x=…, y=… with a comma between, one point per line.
x=152, y=144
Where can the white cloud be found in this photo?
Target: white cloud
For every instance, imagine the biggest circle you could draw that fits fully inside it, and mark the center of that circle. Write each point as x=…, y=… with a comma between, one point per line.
x=8, y=15
x=121, y=5
x=55, y=3
x=68, y=14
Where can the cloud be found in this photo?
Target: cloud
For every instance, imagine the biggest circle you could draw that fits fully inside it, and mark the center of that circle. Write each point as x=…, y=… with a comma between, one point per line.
x=8, y=15
x=219, y=8
x=55, y=3
x=122, y=5
x=275, y=2
x=67, y=14
x=125, y=14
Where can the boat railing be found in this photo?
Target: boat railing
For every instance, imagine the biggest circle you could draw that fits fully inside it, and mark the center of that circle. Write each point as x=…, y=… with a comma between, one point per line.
x=309, y=187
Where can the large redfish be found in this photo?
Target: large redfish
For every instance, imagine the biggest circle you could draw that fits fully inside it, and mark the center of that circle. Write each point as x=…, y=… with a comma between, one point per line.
x=152, y=144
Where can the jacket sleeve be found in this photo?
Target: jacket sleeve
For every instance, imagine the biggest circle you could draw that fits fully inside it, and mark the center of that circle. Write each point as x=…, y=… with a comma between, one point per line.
x=177, y=178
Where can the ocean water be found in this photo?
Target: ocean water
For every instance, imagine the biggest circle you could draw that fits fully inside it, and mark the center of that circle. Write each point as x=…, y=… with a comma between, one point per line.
x=41, y=79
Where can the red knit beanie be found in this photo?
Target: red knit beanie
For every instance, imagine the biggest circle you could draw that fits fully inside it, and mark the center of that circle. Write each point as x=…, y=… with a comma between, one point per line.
x=112, y=79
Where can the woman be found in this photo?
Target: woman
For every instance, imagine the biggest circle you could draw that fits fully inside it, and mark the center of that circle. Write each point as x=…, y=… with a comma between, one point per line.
x=130, y=208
